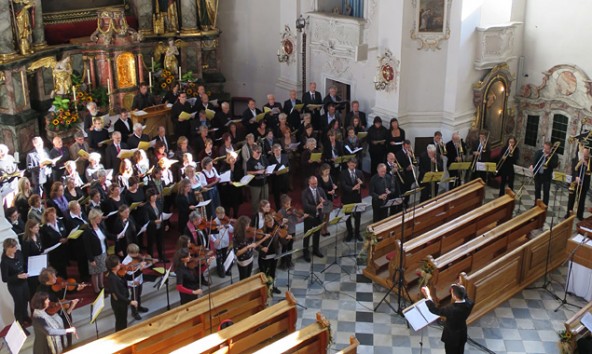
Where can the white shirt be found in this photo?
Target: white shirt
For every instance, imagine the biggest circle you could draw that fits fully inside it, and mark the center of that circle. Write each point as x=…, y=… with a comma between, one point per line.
x=137, y=280
x=223, y=235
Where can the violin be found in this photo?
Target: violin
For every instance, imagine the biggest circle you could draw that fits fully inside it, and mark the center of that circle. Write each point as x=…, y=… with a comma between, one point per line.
x=251, y=232
x=69, y=284
x=198, y=256
x=55, y=307
x=299, y=213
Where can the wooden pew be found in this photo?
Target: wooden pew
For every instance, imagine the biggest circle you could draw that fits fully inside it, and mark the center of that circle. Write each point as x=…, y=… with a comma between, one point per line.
x=352, y=348
x=480, y=251
x=186, y=323
x=251, y=333
x=314, y=338
x=427, y=215
x=574, y=325
x=449, y=235
x=501, y=279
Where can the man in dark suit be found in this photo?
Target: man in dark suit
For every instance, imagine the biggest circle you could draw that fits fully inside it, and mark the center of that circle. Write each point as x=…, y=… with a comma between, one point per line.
x=161, y=136
x=123, y=125
x=204, y=104
x=111, y=159
x=221, y=119
x=248, y=117
x=406, y=160
x=182, y=128
x=456, y=149
x=355, y=112
x=330, y=115
x=312, y=204
x=581, y=170
x=290, y=110
x=429, y=161
x=382, y=189
x=143, y=98
x=351, y=192
x=134, y=140
x=544, y=174
x=331, y=98
x=454, y=334
x=278, y=183
x=38, y=166
x=313, y=97
x=331, y=150
x=58, y=150
x=276, y=109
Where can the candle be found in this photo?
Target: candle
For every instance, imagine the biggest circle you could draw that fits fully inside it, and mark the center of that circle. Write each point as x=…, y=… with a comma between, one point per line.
x=88, y=76
x=74, y=92
x=150, y=80
x=179, y=73
x=108, y=86
x=152, y=63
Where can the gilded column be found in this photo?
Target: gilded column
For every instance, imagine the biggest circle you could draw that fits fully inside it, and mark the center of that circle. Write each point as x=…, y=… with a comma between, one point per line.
x=38, y=29
x=188, y=16
x=6, y=37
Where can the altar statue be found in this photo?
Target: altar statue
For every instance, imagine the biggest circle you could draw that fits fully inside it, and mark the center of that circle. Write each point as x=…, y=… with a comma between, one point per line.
x=23, y=25
x=207, y=11
x=61, y=71
x=170, y=55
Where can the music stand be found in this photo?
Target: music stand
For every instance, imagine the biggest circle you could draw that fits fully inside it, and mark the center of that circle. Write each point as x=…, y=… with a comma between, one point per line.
x=570, y=267
x=335, y=221
x=313, y=277
x=164, y=281
x=282, y=255
x=432, y=177
x=462, y=167
x=350, y=209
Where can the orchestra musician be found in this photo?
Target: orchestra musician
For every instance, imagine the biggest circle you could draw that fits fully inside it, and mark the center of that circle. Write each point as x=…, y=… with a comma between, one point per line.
x=135, y=277
x=509, y=157
x=429, y=161
x=120, y=299
x=243, y=247
x=48, y=328
x=220, y=236
x=481, y=152
x=439, y=144
x=312, y=199
x=351, y=181
x=581, y=168
x=542, y=179
x=269, y=249
x=456, y=149
x=407, y=160
x=187, y=280
x=382, y=188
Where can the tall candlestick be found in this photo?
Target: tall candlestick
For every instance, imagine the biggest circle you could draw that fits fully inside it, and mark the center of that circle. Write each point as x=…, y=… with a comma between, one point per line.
x=74, y=92
x=179, y=74
x=152, y=63
x=150, y=80
x=108, y=86
x=88, y=76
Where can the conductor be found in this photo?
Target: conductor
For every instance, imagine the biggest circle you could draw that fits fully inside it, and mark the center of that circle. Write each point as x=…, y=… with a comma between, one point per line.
x=454, y=334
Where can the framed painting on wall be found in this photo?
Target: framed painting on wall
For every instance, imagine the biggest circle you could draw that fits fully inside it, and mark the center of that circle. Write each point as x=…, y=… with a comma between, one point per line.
x=431, y=22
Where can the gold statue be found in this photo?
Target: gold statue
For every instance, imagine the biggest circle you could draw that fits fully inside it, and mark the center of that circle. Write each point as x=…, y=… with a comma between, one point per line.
x=62, y=73
x=207, y=11
x=172, y=19
x=170, y=55
x=23, y=25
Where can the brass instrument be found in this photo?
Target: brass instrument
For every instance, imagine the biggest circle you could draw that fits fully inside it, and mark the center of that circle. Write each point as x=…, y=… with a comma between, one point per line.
x=508, y=153
x=442, y=148
x=397, y=170
x=579, y=187
x=412, y=157
x=482, y=147
x=553, y=151
x=581, y=137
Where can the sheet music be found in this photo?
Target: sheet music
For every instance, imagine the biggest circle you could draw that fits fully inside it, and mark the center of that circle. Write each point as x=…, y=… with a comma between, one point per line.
x=97, y=306
x=204, y=203
x=425, y=311
x=166, y=216
x=15, y=337
x=225, y=177
x=165, y=277
x=122, y=233
x=269, y=169
x=587, y=321
x=47, y=250
x=419, y=316
x=144, y=228
x=229, y=260
x=35, y=264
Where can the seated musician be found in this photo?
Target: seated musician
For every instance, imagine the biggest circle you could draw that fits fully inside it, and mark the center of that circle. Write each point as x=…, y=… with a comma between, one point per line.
x=143, y=98
x=135, y=278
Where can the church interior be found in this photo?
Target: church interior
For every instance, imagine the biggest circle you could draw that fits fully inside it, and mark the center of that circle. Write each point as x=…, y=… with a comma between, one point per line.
x=463, y=129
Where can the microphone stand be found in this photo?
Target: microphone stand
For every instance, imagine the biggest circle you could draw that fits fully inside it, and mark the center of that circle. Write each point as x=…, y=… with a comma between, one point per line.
x=570, y=267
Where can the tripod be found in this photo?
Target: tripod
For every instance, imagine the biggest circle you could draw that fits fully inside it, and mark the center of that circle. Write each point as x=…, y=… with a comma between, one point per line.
x=546, y=280
x=336, y=221
x=313, y=277
x=570, y=267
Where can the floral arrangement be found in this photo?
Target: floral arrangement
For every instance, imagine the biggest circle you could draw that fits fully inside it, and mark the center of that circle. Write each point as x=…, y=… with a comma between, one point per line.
x=566, y=341
x=166, y=80
x=425, y=273
x=63, y=115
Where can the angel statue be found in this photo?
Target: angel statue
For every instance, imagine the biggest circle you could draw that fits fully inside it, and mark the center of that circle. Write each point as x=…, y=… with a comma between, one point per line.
x=170, y=54
x=62, y=73
x=23, y=26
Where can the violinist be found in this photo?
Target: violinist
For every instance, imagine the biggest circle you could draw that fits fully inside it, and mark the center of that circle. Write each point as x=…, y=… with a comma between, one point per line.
x=120, y=299
x=269, y=249
x=135, y=277
x=258, y=220
x=48, y=328
x=220, y=236
x=510, y=156
x=187, y=280
x=197, y=228
x=243, y=247
x=48, y=284
x=293, y=217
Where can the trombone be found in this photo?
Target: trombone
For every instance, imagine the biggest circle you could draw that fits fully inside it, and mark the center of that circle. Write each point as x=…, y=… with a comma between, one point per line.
x=442, y=148
x=578, y=186
x=482, y=147
x=542, y=162
x=397, y=170
x=508, y=153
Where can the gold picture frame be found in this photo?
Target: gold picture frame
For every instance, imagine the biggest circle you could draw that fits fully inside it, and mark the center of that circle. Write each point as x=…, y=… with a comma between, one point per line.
x=431, y=23
x=125, y=63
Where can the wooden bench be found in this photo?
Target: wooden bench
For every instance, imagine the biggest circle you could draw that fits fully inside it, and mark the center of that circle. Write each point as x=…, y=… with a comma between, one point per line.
x=448, y=236
x=251, y=333
x=480, y=251
x=314, y=338
x=427, y=215
x=352, y=348
x=575, y=326
x=186, y=323
x=501, y=279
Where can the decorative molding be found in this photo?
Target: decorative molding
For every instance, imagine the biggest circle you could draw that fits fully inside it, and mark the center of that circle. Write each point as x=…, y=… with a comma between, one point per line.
x=430, y=38
x=387, y=74
x=495, y=45
x=286, y=52
x=370, y=13
x=337, y=35
x=336, y=66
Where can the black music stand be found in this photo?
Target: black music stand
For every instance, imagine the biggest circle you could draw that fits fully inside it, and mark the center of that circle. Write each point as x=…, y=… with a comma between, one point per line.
x=336, y=221
x=349, y=210
x=313, y=277
x=569, y=269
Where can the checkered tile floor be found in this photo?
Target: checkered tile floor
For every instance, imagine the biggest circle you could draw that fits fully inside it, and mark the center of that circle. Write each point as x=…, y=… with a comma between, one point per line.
x=527, y=323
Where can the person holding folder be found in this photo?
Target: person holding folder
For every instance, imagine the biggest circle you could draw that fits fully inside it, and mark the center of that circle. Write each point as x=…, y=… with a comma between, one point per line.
x=454, y=334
